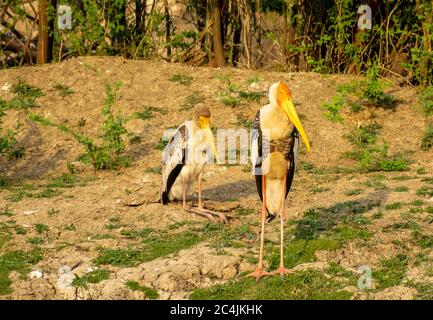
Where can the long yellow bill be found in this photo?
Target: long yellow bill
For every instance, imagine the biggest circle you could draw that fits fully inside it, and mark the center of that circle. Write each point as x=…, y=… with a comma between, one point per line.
x=289, y=108
x=210, y=139
x=204, y=123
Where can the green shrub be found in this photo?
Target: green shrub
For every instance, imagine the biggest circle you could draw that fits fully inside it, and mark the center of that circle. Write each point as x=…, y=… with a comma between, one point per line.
x=372, y=90
x=427, y=140
x=426, y=101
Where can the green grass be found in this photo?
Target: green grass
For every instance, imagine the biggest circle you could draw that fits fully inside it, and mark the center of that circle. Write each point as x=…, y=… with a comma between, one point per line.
x=354, y=192
x=425, y=291
x=369, y=155
x=22, y=88
x=148, y=112
x=64, y=90
x=194, y=98
x=41, y=228
x=305, y=285
x=17, y=261
x=320, y=220
x=113, y=223
x=67, y=180
x=409, y=225
x=246, y=123
x=425, y=191
x=182, y=79
x=417, y=203
x=320, y=189
x=423, y=240
x=347, y=232
x=94, y=276
x=35, y=240
x=427, y=139
x=155, y=170
x=425, y=99
x=300, y=251
x=153, y=247
x=244, y=211
x=162, y=143
x=391, y=271
x=149, y=292
x=251, y=95
x=6, y=212
x=393, y=206
x=334, y=108
x=401, y=189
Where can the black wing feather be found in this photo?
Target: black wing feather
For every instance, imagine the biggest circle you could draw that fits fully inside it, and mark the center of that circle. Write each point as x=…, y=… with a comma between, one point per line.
x=175, y=146
x=291, y=156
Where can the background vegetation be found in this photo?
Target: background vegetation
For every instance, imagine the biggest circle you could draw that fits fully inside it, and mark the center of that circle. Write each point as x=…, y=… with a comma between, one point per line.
x=295, y=35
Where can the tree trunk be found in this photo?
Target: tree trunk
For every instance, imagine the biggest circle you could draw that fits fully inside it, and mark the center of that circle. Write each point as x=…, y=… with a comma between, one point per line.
x=43, y=46
x=140, y=16
x=167, y=28
x=216, y=33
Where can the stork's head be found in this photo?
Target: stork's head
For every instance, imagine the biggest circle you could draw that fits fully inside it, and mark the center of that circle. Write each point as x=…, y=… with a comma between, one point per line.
x=281, y=97
x=202, y=120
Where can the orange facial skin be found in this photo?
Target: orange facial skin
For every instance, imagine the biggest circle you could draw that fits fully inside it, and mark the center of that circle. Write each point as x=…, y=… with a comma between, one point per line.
x=283, y=93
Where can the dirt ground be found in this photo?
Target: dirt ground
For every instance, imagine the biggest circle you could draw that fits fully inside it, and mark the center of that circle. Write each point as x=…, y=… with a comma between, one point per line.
x=104, y=209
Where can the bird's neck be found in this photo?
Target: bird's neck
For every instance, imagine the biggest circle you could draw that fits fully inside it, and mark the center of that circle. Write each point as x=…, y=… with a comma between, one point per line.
x=274, y=119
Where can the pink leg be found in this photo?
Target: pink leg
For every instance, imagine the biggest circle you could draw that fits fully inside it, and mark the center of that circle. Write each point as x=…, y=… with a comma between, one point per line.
x=259, y=272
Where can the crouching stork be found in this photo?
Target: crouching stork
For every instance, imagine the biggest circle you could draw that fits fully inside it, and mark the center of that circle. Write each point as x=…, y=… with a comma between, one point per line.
x=184, y=159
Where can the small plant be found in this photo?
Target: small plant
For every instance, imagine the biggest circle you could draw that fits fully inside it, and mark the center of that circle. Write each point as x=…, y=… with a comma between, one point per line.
x=354, y=192
x=149, y=292
x=427, y=140
x=23, y=89
x=35, y=240
x=391, y=271
x=370, y=156
x=52, y=212
x=372, y=90
x=63, y=89
x=41, y=228
x=333, y=108
x=94, y=276
x=246, y=123
x=6, y=212
x=148, y=112
x=109, y=155
x=155, y=170
x=364, y=136
x=194, y=98
x=182, y=79
x=426, y=101
x=251, y=95
x=162, y=143
x=393, y=206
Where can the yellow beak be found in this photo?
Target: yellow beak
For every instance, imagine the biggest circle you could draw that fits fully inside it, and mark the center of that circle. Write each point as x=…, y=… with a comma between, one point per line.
x=205, y=125
x=210, y=139
x=290, y=110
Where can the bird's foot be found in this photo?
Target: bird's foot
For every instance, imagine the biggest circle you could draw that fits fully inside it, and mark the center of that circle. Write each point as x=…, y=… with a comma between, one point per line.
x=258, y=274
x=220, y=215
x=281, y=271
x=202, y=213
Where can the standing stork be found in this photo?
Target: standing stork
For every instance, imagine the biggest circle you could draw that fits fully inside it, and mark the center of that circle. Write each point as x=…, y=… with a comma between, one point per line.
x=276, y=129
x=185, y=157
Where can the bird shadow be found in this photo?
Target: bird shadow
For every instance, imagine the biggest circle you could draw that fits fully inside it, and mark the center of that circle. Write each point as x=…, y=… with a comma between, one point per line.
x=230, y=191
x=322, y=219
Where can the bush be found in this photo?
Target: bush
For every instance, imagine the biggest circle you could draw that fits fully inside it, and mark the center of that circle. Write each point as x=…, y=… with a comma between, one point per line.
x=426, y=101
x=427, y=140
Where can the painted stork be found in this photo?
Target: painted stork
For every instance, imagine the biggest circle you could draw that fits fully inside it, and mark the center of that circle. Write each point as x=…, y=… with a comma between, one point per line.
x=185, y=156
x=276, y=131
